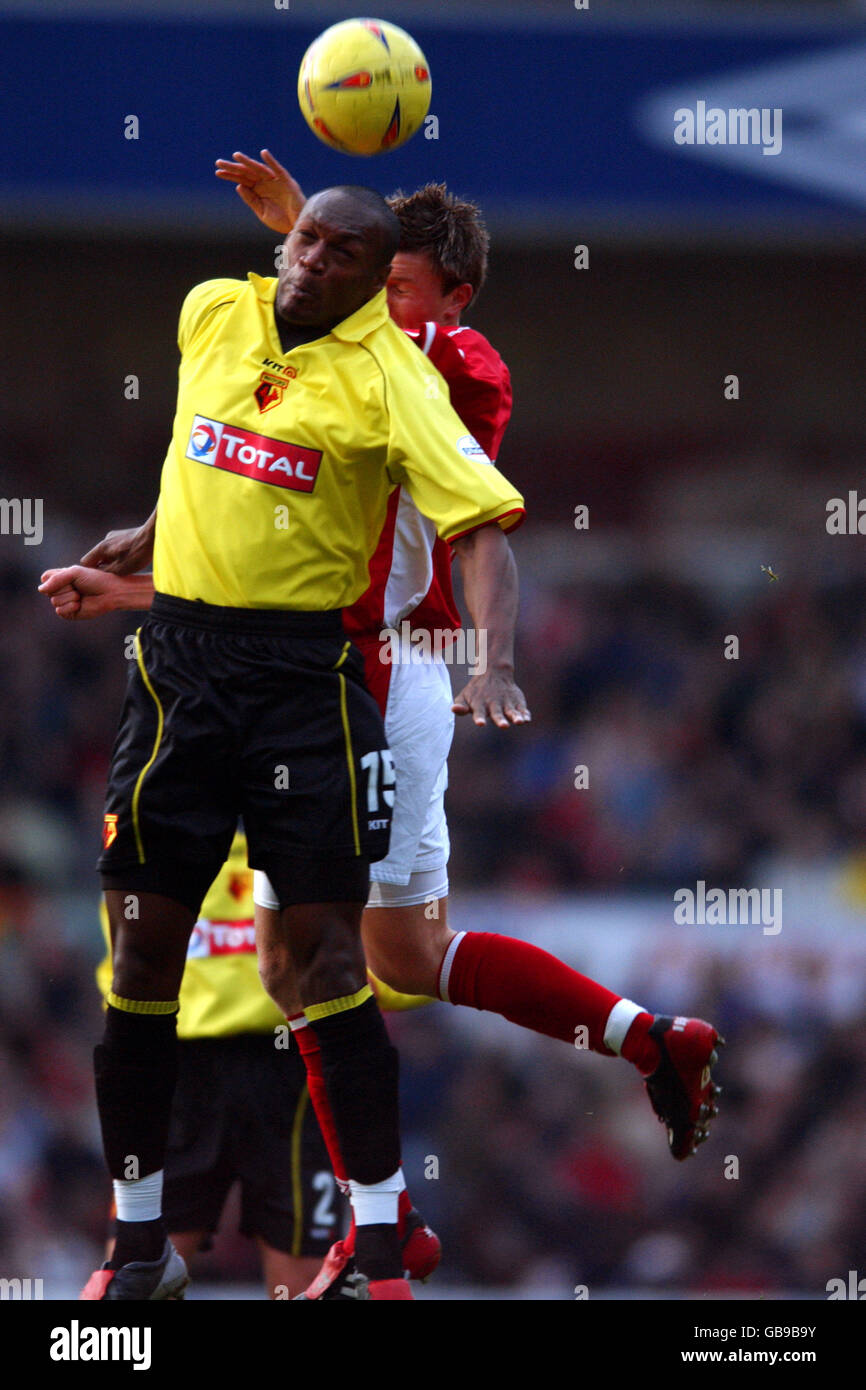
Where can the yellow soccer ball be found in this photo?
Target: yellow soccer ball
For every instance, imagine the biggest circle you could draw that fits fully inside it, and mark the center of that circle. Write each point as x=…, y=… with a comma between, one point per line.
x=364, y=86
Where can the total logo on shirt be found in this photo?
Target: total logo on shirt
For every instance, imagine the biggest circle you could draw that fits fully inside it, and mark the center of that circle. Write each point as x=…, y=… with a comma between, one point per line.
x=253, y=455
x=221, y=938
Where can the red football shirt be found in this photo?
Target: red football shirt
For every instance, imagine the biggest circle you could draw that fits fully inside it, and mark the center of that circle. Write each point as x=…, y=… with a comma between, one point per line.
x=410, y=570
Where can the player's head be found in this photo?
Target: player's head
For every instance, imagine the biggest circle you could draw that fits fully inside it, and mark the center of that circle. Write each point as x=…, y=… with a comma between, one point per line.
x=337, y=256
x=441, y=262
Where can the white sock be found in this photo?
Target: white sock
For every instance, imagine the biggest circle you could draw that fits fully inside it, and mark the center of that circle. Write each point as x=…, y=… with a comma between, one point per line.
x=619, y=1020
x=447, y=962
x=376, y=1204
x=139, y=1199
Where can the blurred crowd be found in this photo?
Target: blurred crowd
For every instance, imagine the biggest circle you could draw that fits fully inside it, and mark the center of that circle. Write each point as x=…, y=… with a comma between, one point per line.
x=695, y=765
x=550, y=1167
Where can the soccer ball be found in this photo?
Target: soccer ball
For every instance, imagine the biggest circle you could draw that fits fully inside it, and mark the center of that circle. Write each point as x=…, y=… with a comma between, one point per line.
x=364, y=86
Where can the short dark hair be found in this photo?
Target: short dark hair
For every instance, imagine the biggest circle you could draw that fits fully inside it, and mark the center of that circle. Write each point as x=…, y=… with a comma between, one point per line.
x=385, y=219
x=446, y=228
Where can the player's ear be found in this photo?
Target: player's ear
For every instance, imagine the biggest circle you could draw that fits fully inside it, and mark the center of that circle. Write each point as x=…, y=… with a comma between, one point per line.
x=460, y=297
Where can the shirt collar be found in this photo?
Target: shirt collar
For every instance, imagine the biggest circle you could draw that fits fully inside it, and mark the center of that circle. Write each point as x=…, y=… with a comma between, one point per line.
x=351, y=330
x=370, y=315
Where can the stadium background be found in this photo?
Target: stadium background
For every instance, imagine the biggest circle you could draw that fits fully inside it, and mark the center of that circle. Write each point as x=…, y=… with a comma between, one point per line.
x=742, y=773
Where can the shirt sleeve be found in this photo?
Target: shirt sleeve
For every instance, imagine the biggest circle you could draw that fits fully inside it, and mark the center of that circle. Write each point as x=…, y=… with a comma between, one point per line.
x=445, y=470
x=200, y=303
x=478, y=380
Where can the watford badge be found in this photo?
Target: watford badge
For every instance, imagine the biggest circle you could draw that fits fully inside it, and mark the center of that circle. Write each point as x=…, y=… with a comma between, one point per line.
x=239, y=885
x=269, y=391
x=109, y=831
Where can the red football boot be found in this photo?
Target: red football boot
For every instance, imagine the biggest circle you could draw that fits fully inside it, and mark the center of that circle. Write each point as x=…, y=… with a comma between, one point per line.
x=339, y=1276
x=681, y=1090
x=388, y=1289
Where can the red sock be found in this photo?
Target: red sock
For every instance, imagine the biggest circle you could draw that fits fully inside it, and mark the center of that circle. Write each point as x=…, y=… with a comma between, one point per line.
x=639, y=1048
x=309, y=1049
x=528, y=986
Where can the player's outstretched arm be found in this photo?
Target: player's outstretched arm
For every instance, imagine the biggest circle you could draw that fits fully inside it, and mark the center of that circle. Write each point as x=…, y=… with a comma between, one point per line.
x=490, y=588
x=266, y=187
x=124, y=552
x=79, y=592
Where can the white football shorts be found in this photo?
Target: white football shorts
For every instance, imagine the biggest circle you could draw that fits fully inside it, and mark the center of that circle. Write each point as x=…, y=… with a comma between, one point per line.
x=419, y=724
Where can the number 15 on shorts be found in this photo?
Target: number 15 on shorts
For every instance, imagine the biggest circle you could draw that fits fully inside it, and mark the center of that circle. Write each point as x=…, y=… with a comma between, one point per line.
x=376, y=764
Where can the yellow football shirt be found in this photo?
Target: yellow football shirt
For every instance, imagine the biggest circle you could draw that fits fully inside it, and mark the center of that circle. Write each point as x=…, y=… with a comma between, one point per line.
x=276, y=481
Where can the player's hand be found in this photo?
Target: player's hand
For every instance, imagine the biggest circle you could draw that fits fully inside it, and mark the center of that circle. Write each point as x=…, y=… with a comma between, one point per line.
x=122, y=552
x=495, y=694
x=266, y=187
x=78, y=592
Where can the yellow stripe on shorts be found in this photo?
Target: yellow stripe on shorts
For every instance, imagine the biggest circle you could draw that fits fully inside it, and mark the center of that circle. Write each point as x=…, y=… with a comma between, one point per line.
x=343, y=655
x=344, y=715
x=149, y=764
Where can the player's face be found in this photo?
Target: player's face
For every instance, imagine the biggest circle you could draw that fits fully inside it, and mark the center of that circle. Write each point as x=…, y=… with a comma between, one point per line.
x=333, y=264
x=415, y=294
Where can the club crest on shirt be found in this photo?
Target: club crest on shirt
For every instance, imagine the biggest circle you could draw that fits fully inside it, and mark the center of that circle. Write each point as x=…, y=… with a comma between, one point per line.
x=269, y=391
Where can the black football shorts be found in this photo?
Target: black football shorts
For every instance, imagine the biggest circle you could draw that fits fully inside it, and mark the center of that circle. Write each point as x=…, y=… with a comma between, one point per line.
x=254, y=713
x=241, y=1113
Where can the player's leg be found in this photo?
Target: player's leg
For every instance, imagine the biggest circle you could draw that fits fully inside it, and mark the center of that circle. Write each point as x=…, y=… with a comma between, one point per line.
x=278, y=975
x=314, y=833
x=405, y=943
x=290, y=1202
x=199, y=1168
x=196, y=1180
x=359, y=1065
x=535, y=990
x=409, y=944
x=135, y=1069
x=421, y=1249
x=276, y=963
x=170, y=819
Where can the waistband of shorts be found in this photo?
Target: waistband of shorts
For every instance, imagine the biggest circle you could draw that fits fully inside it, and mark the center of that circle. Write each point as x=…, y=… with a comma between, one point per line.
x=259, y=622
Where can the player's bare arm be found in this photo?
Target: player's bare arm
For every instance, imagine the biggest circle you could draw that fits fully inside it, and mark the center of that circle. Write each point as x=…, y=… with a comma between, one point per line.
x=490, y=588
x=124, y=552
x=266, y=187
x=81, y=592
